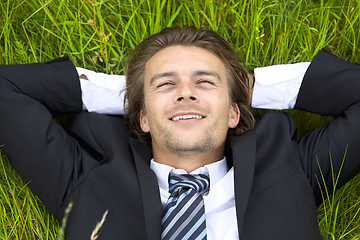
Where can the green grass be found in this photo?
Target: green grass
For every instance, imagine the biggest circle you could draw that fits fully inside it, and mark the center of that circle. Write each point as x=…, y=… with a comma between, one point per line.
x=98, y=34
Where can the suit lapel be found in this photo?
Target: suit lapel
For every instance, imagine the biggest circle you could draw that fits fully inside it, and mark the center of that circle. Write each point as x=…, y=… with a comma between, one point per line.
x=149, y=189
x=244, y=150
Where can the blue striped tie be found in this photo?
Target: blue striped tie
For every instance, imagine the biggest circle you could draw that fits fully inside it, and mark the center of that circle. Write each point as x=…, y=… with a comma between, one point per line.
x=184, y=213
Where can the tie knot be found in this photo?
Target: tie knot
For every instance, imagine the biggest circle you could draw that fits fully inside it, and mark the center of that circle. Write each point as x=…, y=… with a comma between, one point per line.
x=198, y=182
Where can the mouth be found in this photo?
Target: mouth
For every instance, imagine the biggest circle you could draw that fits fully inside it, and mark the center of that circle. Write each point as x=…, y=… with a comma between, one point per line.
x=186, y=117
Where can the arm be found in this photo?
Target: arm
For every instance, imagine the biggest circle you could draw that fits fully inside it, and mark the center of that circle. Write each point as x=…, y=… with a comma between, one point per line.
x=331, y=87
x=328, y=86
x=38, y=148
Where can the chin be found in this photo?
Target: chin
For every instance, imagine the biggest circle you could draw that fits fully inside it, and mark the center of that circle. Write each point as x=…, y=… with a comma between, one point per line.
x=194, y=146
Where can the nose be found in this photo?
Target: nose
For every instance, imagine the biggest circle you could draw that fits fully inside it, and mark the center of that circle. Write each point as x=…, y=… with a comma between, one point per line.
x=186, y=91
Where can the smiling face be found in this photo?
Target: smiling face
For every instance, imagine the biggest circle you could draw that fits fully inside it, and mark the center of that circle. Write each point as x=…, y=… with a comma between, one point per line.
x=187, y=105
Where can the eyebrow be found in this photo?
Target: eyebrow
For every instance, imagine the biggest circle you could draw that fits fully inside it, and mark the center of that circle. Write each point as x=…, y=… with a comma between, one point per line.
x=173, y=74
x=207, y=73
x=162, y=75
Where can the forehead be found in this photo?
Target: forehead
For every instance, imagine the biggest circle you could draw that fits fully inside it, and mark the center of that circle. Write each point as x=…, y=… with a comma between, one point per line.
x=184, y=60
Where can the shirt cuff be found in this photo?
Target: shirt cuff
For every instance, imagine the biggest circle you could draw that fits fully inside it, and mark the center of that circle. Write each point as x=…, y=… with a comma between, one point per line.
x=277, y=86
x=102, y=93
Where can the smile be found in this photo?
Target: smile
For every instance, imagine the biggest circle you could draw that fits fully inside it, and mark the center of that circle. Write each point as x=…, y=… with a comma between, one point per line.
x=186, y=117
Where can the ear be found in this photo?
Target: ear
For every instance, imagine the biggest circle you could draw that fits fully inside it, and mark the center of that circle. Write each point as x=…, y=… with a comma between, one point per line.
x=234, y=115
x=144, y=121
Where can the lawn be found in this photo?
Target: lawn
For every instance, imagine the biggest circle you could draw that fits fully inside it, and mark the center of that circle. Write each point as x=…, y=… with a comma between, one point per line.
x=99, y=34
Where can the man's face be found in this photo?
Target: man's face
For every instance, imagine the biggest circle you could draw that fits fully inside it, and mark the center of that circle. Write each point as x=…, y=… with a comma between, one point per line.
x=187, y=104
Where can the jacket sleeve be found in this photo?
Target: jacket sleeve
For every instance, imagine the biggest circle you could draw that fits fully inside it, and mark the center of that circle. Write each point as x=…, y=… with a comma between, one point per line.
x=38, y=148
x=331, y=87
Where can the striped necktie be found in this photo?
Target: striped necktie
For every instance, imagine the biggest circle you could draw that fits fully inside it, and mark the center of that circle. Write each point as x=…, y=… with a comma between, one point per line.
x=184, y=213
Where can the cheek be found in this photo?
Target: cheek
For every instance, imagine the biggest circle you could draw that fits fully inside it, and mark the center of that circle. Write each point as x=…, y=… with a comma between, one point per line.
x=152, y=112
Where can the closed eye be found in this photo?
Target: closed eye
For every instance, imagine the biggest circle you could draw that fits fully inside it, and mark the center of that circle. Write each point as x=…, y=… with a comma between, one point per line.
x=163, y=84
x=206, y=81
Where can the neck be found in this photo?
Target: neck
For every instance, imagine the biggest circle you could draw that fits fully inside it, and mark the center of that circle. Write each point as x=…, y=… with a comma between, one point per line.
x=189, y=161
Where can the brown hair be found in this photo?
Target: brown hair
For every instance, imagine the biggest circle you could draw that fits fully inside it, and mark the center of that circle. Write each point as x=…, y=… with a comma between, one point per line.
x=238, y=77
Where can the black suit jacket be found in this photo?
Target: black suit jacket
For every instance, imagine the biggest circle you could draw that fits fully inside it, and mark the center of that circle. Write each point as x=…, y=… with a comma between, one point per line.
x=100, y=166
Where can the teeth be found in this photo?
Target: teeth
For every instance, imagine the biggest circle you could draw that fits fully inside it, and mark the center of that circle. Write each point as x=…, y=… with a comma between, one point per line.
x=190, y=116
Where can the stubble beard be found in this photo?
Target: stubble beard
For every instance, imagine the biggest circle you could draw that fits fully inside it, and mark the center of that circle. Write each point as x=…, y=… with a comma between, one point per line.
x=182, y=147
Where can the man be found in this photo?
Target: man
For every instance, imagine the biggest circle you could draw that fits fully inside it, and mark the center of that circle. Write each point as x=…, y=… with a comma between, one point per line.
x=186, y=92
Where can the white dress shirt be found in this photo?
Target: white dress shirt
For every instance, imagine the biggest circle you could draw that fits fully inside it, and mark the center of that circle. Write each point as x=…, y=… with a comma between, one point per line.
x=276, y=87
x=102, y=93
x=219, y=201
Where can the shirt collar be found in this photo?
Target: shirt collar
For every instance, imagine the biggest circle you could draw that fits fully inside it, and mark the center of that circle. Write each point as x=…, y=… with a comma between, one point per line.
x=216, y=171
